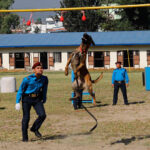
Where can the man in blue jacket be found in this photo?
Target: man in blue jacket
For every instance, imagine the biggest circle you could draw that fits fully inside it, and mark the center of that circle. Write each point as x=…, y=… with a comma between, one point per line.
x=120, y=80
x=32, y=92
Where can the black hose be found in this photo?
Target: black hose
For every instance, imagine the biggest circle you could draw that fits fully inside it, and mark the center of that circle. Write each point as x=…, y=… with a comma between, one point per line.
x=95, y=126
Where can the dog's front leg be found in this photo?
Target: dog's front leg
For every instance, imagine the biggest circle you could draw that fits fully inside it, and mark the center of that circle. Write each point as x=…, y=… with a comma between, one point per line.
x=67, y=65
x=82, y=63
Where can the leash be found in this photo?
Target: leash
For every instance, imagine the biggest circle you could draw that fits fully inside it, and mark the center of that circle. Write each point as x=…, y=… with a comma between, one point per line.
x=95, y=126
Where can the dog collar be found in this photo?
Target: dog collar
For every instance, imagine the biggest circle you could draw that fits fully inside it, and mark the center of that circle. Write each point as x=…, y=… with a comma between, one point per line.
x=83, y=51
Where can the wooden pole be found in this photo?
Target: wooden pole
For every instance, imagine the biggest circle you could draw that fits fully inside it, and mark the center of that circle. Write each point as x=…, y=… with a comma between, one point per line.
x=129, y=59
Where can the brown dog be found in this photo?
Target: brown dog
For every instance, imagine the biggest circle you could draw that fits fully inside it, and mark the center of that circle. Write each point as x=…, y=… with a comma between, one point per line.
x=78, y=63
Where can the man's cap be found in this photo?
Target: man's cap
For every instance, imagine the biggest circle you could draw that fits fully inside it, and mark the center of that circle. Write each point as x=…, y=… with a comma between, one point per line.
x=36, y=64
x=118, y=62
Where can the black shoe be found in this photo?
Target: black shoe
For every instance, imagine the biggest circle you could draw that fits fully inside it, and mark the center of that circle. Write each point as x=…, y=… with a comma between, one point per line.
x=37, y=133
x=113, y=104
x=25, y=140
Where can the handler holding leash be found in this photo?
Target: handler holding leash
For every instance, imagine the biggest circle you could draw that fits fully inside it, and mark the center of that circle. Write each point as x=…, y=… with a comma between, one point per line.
x=32, y=91
x=120, y=79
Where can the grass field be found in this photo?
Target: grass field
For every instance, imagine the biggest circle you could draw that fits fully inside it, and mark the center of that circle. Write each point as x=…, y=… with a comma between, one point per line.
x=120, y=127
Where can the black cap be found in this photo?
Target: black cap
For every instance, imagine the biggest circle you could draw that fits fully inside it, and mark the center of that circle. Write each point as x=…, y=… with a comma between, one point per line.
x=118, y=62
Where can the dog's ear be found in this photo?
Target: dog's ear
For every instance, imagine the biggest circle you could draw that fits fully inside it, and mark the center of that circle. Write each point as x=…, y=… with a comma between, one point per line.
x=92, y=42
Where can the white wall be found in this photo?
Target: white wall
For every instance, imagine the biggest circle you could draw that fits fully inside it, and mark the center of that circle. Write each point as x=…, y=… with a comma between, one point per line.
x=31, y=59
x=64, y=50
x=113, y=59
x=5, y=57
x=143, y=59
x=61, y=66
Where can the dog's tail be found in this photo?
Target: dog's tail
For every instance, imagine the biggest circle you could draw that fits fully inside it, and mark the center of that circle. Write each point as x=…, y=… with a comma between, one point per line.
x=98, y=79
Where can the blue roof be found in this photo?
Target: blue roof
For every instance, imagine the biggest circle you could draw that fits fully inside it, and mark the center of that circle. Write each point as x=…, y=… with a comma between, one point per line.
x=74, y=39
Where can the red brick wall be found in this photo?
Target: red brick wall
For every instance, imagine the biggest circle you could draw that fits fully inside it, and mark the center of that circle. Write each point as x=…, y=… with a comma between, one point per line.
x=136, y=60
x=12, y=61
x=51, y=61
x=148, y=60
x=91, y=60
x=1, y=60
x=35, y=59
x=107, y=60
x=27, y=61
x=120, y=58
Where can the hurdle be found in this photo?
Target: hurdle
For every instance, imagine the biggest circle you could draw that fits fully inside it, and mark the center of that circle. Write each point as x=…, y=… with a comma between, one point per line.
x=83, y=93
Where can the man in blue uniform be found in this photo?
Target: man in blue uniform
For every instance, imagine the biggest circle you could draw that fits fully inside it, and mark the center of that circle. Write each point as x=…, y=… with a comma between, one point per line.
x=120, y=79
x=32, y=92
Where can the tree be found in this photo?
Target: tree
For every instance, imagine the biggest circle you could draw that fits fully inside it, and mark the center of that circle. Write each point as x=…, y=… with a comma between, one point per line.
x=8, y=21
x=133, y=18
x=72, y=19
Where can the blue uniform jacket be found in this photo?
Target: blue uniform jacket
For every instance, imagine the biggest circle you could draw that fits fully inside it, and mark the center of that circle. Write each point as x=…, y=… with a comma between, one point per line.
x=120, y=75
x=31, y=84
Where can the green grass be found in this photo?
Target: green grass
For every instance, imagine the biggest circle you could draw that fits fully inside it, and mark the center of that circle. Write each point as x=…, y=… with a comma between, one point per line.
x=63, y=120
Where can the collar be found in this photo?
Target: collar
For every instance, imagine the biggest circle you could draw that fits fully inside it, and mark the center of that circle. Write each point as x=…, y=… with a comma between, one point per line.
x=83, y=51
x=119, y=68
x=36, y=77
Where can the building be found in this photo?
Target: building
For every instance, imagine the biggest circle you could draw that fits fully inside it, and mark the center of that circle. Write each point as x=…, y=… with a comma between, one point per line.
x=22, y=50
x=51, y=25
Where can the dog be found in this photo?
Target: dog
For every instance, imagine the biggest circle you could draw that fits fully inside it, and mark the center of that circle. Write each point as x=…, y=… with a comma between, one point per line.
x=78, y=63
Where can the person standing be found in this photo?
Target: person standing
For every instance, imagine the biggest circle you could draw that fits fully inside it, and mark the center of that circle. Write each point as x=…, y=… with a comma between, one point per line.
x=120, y=80
x=32, y=92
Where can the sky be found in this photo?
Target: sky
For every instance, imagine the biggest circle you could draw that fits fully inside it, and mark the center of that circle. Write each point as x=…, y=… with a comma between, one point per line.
x=29, y=4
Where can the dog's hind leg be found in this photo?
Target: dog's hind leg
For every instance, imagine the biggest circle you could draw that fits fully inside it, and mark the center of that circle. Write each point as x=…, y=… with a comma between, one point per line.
x=76, y=88
x=90, y=90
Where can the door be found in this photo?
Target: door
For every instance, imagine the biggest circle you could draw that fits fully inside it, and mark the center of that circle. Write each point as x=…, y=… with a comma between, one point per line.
x=44, y=60
x=128, y=60
x=19, y=60
x=98, y=59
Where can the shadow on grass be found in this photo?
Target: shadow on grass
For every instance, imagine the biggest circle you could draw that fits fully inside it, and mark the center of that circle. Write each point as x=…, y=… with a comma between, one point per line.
x=127, y=141
x=98, y=102
x=140, y=102
x=2, y=108
x=59, y=137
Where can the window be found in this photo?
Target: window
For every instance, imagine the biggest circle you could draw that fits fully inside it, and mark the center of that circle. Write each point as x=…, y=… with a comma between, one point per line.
x=27, y=55
x=11, y=55
x=57, y=57
x=148, y=53
x=119, y=53
x=107, y=53
x=136, y=53
x=1, y=60
x=89, y=53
